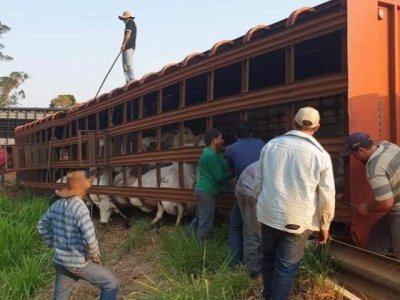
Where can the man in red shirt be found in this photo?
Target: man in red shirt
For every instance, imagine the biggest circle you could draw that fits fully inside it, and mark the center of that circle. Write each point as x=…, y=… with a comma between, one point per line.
x=3, y=160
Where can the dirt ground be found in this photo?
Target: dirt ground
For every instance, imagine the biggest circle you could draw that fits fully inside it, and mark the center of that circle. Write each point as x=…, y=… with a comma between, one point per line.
x=135, y=269
x=138, y=266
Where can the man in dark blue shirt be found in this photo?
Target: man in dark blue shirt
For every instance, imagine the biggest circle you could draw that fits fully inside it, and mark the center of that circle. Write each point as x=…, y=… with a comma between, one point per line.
x=241, y=154
x=128, y=45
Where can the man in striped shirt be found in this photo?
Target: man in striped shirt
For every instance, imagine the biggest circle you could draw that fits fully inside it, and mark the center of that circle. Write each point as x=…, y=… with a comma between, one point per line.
x=68, y=228
x=382, y=162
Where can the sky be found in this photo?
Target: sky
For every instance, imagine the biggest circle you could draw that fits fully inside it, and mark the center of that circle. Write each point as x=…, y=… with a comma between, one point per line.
x=67, y=47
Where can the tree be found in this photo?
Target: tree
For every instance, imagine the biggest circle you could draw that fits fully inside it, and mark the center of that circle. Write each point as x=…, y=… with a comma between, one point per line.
x=4, y=29
x=63, y=101
x=9, y=93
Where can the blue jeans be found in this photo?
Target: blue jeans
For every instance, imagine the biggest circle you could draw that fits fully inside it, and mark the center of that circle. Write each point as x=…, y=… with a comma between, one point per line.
x=127, y=64
x=281, y=256
x=66, y=277
x=203, y=222
x=385, y=234
x=236, y=235
x=251, y=233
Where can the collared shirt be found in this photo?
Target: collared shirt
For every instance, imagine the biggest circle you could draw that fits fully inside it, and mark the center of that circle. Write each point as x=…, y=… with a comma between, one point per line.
x=67, y=227
x=383, y=172
x=294, y=184
x=245, y=183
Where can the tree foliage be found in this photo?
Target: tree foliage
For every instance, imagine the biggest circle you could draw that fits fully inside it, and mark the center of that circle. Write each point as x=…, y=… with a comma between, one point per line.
x=3, y=29
x=63, y=101
x=9, y=93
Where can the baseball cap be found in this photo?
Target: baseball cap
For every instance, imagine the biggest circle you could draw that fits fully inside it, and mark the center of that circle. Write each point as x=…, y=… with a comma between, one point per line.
x=307, y=117
x=356, y=141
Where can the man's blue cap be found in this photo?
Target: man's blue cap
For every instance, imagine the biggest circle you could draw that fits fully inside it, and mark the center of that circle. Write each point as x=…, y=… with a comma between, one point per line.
x=356, y=141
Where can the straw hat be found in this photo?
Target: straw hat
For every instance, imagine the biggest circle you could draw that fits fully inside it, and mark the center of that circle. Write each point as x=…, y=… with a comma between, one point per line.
x=77, y=185
x=126, y=15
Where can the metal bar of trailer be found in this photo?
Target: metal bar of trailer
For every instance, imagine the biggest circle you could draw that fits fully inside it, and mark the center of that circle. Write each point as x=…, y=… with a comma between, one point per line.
x=168, y=194
x=365, y=272
x=305, y=89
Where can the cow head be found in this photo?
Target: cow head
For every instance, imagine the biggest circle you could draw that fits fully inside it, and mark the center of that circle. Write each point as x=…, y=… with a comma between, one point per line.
x=149, y=143
x=106, y=208
x=104, y=205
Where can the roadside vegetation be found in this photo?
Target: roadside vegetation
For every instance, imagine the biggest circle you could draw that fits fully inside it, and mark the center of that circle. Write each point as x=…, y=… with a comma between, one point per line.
x=137, y=237
x=25, y=263
x=192, y=270
x=316, y=278
x=182, y=267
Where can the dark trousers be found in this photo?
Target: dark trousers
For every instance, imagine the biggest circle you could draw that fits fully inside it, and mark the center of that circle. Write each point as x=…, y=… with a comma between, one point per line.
x=203, y=222
x=236, y=235
x=281, y=256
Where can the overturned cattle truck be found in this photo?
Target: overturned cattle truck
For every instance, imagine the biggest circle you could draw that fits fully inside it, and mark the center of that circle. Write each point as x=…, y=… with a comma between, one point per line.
x=341, y=57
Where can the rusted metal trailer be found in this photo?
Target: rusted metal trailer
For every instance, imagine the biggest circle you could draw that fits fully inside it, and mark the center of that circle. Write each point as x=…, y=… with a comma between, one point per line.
x=341, y=57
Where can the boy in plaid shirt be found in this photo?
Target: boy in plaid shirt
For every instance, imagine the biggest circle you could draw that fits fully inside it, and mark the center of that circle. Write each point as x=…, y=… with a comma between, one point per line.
x=68, y=228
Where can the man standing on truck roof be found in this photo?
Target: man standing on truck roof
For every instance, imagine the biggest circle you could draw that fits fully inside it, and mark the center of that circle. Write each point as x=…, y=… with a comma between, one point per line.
x=382, y=163
x=128, y=44
x=295, y=193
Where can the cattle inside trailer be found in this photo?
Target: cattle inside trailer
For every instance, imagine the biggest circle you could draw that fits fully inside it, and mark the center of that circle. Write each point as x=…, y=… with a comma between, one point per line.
x=340, y=57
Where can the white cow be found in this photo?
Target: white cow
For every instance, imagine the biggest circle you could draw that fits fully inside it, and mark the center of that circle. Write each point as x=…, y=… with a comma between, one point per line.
x=103, y=202
x=169, y=140
x=61, y=180
x=199, y=140
x=131, y=180
x=169, y=179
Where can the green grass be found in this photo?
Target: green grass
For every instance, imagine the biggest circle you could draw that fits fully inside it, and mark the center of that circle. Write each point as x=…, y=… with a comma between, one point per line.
x=25, y=263
x=224, y=284
x=187, y=269
x=316, y=274
x=192, y=270
x=138, y=236
x=317, y=264
x=25, y=278
x=181, y=251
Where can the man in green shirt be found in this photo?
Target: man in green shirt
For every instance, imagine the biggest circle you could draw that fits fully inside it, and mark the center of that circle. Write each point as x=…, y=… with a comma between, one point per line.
x=213, y=171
